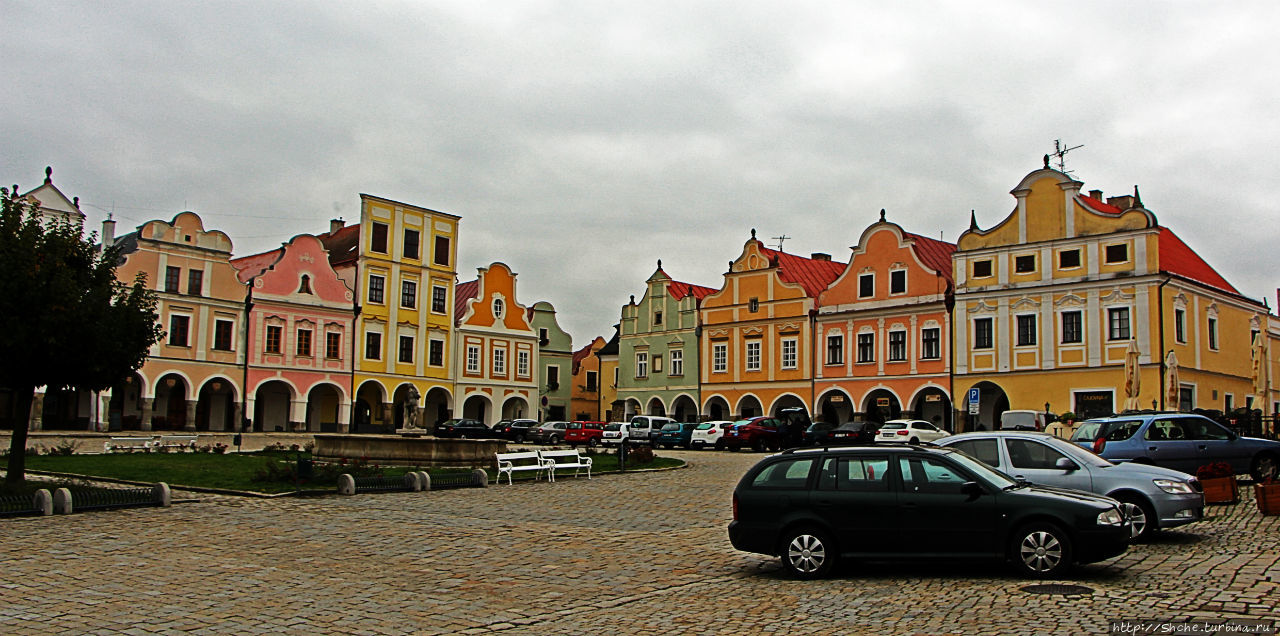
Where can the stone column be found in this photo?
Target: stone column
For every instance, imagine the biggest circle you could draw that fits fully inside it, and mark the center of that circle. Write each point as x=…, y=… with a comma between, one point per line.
x=388, y=415
x=36, y=421
x=190, y=425
x=344, y=417
x=144, y=424
x=237, y=424
x=298, y=416
x=103, y=420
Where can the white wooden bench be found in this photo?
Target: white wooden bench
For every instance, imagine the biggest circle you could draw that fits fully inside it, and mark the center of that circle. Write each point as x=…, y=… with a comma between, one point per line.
x=177, y=441
x=566, y=459
x=511, y=463
x=127, y=444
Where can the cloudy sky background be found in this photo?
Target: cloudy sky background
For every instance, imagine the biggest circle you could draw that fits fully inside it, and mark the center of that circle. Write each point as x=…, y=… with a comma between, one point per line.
x=582, y=141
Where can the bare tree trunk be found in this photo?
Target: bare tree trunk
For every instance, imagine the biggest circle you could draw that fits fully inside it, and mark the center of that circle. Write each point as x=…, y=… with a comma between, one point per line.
x=22, y=398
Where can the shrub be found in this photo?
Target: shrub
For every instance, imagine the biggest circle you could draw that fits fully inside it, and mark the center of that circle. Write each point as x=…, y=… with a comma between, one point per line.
x=63, y=448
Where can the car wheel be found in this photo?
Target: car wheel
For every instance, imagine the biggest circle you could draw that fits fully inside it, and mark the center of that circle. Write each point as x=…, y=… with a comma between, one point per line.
x=689, y=446
x=807, y=554
x=1264, y=467
x=914, y=440
x=554, y=440
x=758, y=446
x=1041, y=550
x=520, y=438
x=1141, y=514
x=592, y=443
x=719, y=445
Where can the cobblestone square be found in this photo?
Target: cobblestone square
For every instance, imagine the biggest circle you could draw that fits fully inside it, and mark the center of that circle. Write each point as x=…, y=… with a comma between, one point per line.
x=642, y=553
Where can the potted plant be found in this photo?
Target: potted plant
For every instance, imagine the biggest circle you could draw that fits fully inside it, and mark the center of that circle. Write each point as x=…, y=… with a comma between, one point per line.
x=1219, y=483
x=1267, y=493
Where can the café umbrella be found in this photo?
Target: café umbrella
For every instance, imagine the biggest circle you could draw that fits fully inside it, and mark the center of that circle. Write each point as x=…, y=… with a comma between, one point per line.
x=1132, y=377
x=1171, y=391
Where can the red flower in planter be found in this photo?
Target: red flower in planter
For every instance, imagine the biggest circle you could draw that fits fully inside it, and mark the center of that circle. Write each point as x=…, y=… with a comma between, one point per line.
x=1216, y=469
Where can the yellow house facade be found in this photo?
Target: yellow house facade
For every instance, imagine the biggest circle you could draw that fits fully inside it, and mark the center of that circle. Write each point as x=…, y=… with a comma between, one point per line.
x=1050, y=300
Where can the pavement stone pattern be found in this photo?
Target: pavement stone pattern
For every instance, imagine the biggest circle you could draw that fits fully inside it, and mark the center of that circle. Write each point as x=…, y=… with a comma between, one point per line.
x=642, y=553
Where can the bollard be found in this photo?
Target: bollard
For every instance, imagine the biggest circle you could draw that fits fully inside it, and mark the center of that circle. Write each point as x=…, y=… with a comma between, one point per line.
x=162, y=495
x=479, y=478
x=62, y=502
x=425, y=479
x=346, y=484
x=43, y=501
x=412, y=481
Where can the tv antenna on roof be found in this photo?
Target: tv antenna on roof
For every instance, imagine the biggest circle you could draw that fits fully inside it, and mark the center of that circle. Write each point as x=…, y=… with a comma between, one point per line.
x=780, y=239
x=1060, y=151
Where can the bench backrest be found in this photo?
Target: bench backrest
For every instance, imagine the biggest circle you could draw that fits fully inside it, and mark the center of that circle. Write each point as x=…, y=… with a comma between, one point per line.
x=571, y=456
x=518, y=457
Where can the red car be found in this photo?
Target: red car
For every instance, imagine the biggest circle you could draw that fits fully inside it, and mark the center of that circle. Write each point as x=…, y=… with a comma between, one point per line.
x=588, y=433
x=756, y=433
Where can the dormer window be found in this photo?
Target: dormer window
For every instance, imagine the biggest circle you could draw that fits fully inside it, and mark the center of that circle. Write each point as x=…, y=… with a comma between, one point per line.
x=1024, y=264
x=1118, y=253
x=305, y=287
x=898, y=281
x=498, y=307
x=657, y=318
x=982, y=269
x=866, y=285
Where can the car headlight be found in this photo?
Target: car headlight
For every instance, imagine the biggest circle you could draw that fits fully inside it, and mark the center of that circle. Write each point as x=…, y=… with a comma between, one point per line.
x=1173, y=487
x=1111, y=517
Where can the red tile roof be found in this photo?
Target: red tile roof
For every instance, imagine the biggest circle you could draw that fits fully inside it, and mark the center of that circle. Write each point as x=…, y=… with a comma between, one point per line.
x=935, y=254
x=1100, y=206
x=462, y=293
x=248, y=267
x=343, y=245
x=814, y=276
x=679, y=290
x=1179, y=259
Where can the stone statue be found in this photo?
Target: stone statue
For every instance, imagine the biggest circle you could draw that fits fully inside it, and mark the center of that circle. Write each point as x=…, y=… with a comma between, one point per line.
x=411, y=408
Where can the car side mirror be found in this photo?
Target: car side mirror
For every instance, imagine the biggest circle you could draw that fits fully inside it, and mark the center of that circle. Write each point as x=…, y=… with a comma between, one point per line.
x=1065, y=464
x=971, y=488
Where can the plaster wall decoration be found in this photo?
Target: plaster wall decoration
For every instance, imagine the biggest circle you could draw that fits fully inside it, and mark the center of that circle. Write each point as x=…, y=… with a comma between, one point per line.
x=867, y=270
x=931, y=323
x=752, y=331
x=866, y=329
x=1070, y=301
x=717, y=333
x=1212, y=310
x=1025, y=303
x=1116, y=295
x=983, y=307
x=789, y=327
x=1180, y=301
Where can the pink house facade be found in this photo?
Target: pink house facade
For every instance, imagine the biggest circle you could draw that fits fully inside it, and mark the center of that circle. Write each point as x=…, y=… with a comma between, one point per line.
x=299, y=346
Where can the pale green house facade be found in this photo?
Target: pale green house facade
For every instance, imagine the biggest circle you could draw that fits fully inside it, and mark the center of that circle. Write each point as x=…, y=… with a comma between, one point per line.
x=658, y=350
x=555, y=353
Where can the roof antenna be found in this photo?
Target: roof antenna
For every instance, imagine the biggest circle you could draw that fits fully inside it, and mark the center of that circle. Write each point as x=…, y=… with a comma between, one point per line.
x=780, y=239
x=1060, y=151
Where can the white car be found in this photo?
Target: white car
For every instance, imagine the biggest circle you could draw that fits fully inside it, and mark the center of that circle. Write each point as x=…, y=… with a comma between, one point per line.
x=708, y=433
x=911, y=431
x=615, y=432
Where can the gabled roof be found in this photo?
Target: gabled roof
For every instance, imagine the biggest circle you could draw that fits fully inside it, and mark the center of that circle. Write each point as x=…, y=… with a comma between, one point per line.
x=813, y=275
x=1100, y=206
x=462, y=293
x=343, y=245
x=247, y=267
x=679, y=290
x=935, y=254
x=1179, y=259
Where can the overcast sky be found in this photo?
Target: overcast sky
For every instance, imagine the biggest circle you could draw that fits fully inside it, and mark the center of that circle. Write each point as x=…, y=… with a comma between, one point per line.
x=580, y=142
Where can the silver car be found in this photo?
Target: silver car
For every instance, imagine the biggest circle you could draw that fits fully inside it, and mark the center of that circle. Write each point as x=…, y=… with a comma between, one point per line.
x=1155, y=497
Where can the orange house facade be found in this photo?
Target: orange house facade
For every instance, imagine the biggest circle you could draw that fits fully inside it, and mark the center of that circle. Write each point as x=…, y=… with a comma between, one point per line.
x=497, y=363
x=756, y=345
x=882, y=331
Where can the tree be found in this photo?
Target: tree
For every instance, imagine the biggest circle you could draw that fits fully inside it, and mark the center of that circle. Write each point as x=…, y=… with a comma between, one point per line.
x=65, y=319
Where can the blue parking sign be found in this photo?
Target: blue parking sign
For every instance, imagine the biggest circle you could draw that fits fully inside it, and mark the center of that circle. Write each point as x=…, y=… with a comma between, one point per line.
x=973, y=395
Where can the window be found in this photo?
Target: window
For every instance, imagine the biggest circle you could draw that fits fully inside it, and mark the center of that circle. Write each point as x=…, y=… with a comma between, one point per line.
x=406, y=349
x=1118, y=323
x=866, y=347
x=442, y=250
x=179, y=326
x=435, y=353
x=303, y=345
x=1072, y=327
x=982, y=269
x=1024, y=264
x=1213, y=334
x=983, y=450
x=753, y=305
x=522, y=364
x=866, y=285
x=543, y=336
x=835, y=349
x=931, y=343
x=333, y=345
x=719, y=357
x=376, y=285
x=1026, y=330
x=898, y=281
x=897, y=346
x=410, y=243
x=275, y=333
x=677, y=362
x=378, y=238
x=172, y=276
x=195, y=282
x=789, y=357
x=1068, y=259
x=1117, y=253
x=498, y=307
x=929, y=475
x=657, y=318
x=499, y=361
x=642, y=364
x=790, y=474
x=473, y=359
x=854, y=474
x=439, y=295
x=657, y=364
x=983, y=335
x=553, y=377
x=591, y=381
x=304, y=286
x=753, y=355
x=1180, y=325
x=1028, y=454
x=408, y=294
x=373, y=346
x=222, y=334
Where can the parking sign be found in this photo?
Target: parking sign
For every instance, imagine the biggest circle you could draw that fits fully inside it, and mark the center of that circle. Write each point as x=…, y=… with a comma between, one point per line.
x=973, y=400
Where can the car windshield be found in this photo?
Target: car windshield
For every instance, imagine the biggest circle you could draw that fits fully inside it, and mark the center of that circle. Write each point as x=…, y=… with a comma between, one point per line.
x=1077, y=453
x=671, y=427
x=613, y=426
x=991, y=475
x=742, y=422
x=451, y=422
x=574, y=426
x=853, y=426
x=818, y=427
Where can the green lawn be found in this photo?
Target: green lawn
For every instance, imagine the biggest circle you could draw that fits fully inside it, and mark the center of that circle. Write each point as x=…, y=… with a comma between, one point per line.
x=265, y=472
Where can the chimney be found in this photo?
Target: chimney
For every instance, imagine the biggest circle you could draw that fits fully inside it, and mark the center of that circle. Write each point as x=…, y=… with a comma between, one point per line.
x=1123, y=202
x=1096, y=194
x=335, y=225
x=109, y=233
x=819, y=256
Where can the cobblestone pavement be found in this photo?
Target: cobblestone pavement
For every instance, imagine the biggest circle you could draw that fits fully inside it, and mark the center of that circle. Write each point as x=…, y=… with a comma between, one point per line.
x=636, y=554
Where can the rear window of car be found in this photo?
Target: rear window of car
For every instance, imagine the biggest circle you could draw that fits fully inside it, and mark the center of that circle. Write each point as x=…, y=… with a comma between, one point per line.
x=892, y=426
x=986, y=451
x=705, y=426
x=1113, y=431
x=789, y=473
x=671, y=427
x=856, y=474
